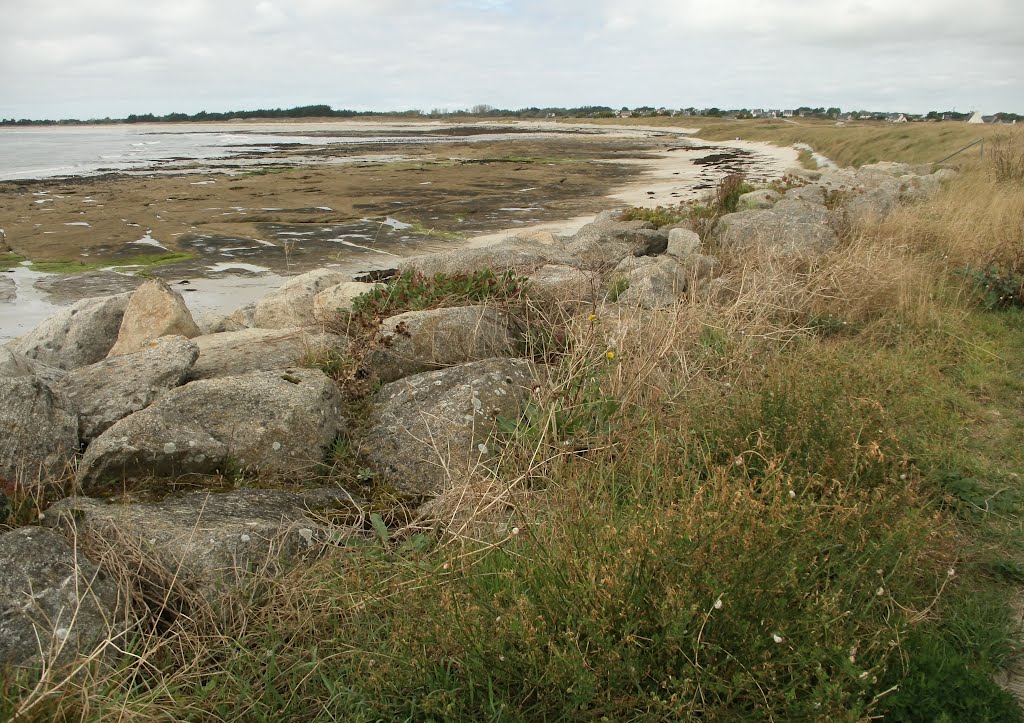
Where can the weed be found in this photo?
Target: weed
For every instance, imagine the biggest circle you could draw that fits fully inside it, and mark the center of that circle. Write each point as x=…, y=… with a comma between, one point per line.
x=729, y=190
x=1006, y=154
x=414, y=291
x=996, y=287
x=617, y=288
x=659, y=216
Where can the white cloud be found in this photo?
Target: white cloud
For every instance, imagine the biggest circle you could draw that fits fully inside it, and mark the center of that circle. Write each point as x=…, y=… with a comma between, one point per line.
x=114, y=57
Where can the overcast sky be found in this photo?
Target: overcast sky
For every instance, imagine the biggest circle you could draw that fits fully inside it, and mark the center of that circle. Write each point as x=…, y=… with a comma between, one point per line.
x=97, y=58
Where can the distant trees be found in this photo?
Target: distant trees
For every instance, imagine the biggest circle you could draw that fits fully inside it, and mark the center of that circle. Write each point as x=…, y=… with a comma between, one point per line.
x=483, y=109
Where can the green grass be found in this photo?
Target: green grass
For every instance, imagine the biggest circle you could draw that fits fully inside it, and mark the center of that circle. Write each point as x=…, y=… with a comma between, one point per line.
x=10, y=260
x=753, y=511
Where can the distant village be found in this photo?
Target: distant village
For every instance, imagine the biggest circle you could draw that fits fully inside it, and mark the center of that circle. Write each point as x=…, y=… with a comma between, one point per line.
x=588, y=111
x=828, y=113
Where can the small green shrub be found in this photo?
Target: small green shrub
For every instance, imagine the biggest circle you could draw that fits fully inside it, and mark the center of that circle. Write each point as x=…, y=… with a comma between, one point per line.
x=617, y=288
x=996, y=287
x=659, y=216
x=415, y=291
x=941, y=683
x=729, y=190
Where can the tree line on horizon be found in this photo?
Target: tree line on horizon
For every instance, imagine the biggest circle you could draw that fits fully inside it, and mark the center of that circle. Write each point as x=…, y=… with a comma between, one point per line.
x=587, y=111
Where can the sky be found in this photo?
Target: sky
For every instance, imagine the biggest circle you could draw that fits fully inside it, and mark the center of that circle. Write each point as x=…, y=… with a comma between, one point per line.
x=111, y=58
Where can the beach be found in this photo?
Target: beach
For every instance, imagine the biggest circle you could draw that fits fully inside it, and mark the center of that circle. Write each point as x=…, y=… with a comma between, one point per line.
x=226, y=227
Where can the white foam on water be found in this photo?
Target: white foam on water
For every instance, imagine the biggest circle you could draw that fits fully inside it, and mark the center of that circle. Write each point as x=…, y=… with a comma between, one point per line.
x=148, y=240
x=367, y=248
x=78, y=223
x=392, y=222
x=229, y=265
x=201, y=183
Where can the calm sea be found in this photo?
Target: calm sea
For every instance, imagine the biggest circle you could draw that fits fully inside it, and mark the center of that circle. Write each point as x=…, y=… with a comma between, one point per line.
x=46, y=152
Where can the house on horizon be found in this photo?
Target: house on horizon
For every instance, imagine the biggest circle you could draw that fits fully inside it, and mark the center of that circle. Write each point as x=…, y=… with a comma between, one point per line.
x=977, y=117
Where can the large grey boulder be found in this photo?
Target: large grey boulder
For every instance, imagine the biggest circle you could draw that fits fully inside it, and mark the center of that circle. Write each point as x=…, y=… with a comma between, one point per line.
x=563, y=284
x=872, y=205
x=520, y=255
x=763, y=198
x=254, y=350
x=54, y=603
x=792, y=227
x=335, y=303
x=428, y=431
x=108, y=391
x=662, y=284
x=16, y=365
x=155, y=310
x=682, y=242
x=812, y=192
x=603, y=244
x=213, y=322
x=418, y=341
x=292, y=304
x=205, y=542
x=76, y=336
x=272, y=423
x=38, y=429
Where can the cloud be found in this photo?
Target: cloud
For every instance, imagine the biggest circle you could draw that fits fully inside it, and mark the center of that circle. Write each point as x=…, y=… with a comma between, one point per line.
x=114, y=57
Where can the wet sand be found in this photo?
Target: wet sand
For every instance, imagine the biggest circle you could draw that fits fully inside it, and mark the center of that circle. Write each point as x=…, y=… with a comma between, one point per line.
x=355, y=206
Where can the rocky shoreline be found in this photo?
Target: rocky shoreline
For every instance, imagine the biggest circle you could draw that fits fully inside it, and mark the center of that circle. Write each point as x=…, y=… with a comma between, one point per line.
x=225, y=237
x=205, y=448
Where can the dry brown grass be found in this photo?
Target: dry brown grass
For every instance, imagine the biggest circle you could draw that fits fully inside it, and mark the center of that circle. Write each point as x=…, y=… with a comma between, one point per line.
x=853, y=144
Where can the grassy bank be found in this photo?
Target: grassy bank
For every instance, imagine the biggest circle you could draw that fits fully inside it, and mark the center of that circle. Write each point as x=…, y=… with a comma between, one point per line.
x=854, y=143
x=799, y=504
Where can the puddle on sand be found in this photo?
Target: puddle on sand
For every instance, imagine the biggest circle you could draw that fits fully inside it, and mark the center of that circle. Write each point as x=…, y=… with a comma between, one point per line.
x=30, y=305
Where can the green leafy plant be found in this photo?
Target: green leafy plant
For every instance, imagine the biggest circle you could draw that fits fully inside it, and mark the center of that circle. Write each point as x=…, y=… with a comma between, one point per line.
x=617, y=288
x=414, y=291
x=996, y=287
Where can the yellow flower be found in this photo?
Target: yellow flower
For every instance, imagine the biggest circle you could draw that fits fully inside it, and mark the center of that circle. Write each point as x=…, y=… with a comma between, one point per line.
x=610, y=355
x=592, y=317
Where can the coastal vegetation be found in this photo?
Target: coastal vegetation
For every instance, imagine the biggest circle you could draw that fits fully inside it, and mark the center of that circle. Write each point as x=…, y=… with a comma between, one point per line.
x=802, y=502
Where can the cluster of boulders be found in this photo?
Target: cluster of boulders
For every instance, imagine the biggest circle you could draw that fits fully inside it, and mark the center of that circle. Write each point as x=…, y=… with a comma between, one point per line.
x=130, y=393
